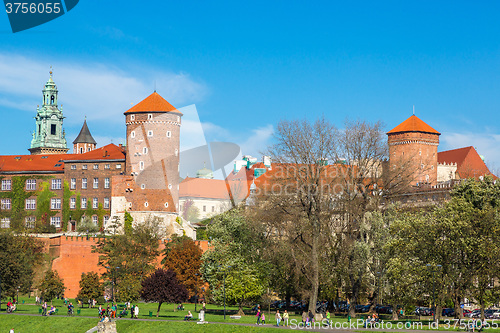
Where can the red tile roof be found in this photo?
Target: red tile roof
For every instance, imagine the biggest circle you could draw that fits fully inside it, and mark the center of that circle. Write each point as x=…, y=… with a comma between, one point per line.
x=108, y=152
x=32, y=163
x=469, y=163
x=413, y=124
x=55, y=162
x=204, y=188
x=153, y=103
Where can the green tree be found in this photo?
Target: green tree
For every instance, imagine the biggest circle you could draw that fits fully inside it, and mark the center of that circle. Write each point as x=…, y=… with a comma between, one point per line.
x=134, y=255
x=19, y=255
x=86, y=226
x=90, y=287
x=128, y=223
x=52, y=286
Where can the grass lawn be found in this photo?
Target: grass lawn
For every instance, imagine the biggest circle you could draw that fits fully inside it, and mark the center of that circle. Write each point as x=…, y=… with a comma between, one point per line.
x=27, y=324
x=130, y=326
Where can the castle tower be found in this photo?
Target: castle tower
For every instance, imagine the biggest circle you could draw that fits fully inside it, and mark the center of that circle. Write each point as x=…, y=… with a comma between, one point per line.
x=153, y=131
x=413, y=145
x=84, y=142
x=49, y=136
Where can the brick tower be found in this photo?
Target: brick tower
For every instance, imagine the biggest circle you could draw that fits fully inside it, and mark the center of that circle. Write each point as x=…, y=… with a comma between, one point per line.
x=153, y=132
x=413, y=145
x=84, y=142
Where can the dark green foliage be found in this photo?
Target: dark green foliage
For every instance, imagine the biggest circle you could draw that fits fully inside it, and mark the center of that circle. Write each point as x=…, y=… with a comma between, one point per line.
x=128, y=223
x=90, y=287
x=52, y=286
x=18, y=256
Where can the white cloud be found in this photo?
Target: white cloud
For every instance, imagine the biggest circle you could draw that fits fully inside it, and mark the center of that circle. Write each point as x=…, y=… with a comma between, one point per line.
x=257, y=143
x=485, y=144
x=99, y=91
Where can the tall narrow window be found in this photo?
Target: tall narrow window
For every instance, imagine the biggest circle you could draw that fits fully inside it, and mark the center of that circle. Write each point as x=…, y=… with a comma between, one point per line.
x=106, y=182
x=53, y=129
x=141, y=165
x=72, y=183
x=95, y=203
x=106, y=203
x=84, y=203
x=84, y=183
x=96, y=182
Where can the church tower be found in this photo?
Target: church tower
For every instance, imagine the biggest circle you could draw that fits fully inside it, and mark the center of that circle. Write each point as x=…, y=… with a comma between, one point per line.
x=49, y=136
x=413, y=146
x=84, y=142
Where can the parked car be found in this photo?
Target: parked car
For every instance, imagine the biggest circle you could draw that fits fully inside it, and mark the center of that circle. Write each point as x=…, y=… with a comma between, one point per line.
x=448, y=312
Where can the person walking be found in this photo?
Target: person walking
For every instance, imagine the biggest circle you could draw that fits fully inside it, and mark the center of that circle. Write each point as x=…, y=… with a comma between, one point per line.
x=258, y=316
x=304, y=317
x=132, y=311
x=311, y=317
x=44, y=309
x=277, y=316
x=328, y=317
x=263, y=318
x=285, y=318
x=136, y=311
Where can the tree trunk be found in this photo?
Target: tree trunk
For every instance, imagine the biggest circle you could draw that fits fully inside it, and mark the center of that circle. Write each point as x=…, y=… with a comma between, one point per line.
x=240, y=310
x=158, y=311
x=439, y=312
x=458, y=309
x=315, y=272
x=395, y=314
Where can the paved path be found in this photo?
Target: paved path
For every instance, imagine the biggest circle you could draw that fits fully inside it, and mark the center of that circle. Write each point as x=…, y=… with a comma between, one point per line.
x=315, y=328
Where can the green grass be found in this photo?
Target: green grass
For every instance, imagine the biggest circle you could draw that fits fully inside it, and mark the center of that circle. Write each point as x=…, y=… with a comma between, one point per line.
x=27, y=324
x=131, y=326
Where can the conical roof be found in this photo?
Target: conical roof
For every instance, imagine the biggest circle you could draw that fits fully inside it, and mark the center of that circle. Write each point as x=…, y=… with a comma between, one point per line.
x=84, y=136
x=413, y=124
x=153, y=103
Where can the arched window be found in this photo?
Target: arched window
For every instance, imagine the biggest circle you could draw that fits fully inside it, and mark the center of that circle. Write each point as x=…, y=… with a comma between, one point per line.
x=52, y=99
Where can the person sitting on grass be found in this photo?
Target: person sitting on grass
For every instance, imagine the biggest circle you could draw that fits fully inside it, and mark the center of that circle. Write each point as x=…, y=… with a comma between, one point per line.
x=52, y=310
x=180, y=306
x=189, y=316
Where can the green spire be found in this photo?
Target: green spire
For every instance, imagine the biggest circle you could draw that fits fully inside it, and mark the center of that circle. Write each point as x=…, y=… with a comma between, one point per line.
x=49, y=136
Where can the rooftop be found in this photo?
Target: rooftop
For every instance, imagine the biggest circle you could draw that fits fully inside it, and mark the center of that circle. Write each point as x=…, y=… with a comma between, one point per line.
x=413, y=124
x=153, y=103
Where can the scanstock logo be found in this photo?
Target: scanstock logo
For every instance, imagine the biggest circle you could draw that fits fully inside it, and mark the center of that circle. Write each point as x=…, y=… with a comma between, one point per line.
x=29, y=14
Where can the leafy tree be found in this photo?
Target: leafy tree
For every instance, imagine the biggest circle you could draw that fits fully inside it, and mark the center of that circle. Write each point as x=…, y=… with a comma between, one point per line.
x=86, y=226
x=130, y=256
x=190, y=212
x=52, y=286
x=18, y=256
x=162, y=287
x=129, y=288
x=183, y=256
x=128, y=223
x=90, y=287
x=235, y=251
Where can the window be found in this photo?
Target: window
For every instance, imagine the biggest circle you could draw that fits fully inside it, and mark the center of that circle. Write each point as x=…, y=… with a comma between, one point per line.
x=132, y=134
x=143, y=186
x=150, y=133
x=6, y=184
x=53, y=129
x=84, y=203
x=72, y=203
x=213, y=209
x=106, y=220
x=95, y=219
x=146, y=204
x=84, y=167
x=30, y=184
x=81, y=150
x=73, y=166
x=106, y=166
x=204, y=208
x=96, y=166
x=106, y=182
x=56, y=184
x=176, y=152
x=29, y=222
x=118, y=166
x=132, y=117
x=178, y=119
x=150, y=116
x=145, y=150
x=169, y=134
x=96, y=183
x=55, y=221
x=55, y=203
x=166, y=204
x=5, y=204
x=106, y=203
x=95, y=203
x=84, y=183
x=72, y=183
x=141, y=165
x=169, y=186
x=30, y=204
x=5, y=223
x=89, y=149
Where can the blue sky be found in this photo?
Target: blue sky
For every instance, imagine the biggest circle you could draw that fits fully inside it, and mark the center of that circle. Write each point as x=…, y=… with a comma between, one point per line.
x=246, y=65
